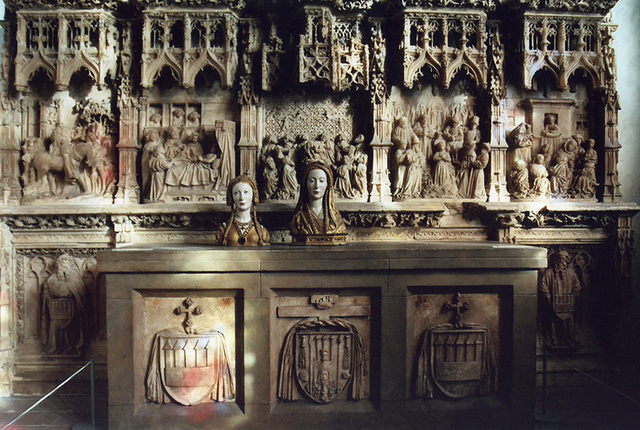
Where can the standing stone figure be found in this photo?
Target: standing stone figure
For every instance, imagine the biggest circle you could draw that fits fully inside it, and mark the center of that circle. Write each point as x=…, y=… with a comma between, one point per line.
x=65, y=317
x=403, y=138
x=558, y=290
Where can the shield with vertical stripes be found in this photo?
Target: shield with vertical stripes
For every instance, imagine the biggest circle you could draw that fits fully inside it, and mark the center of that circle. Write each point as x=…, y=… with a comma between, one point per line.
x=458, y=357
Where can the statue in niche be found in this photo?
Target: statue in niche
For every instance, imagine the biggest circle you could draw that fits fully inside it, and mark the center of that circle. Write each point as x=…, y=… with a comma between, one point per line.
x=187, y=365
x=243, y=228
x=151, y=142
x=444, y=174
x=65, y=309
x=521, y=136
x=471, y=174
x=586, y=183
x=551, y=137
x=360, y=173
x=270, y=176
x=425, y=134
x=456, y=358
x=560, y=176
x=32, y=146
x=415, y=162
x=316, y=221
x=539, y=178
x=472, y=135
x=290, y=186
x=519, y=180
x=403, y=138
x=346, y=166
x=558, y=290
x=454, y=136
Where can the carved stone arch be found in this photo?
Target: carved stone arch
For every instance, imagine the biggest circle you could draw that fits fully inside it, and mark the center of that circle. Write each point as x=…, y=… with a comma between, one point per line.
x=151, y=75
x=588, y=70
x=78, y=63
x=547, y=66
x=200, y=64
x=470, y=70
x=78, y=71
x=39, y=62
x=206, y=67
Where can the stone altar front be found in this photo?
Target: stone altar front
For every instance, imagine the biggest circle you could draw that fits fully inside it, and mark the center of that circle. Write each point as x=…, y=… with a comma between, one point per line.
x=369, y=333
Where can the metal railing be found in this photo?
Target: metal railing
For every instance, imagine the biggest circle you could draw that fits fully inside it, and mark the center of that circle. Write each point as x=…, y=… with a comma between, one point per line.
x=93, y=395
x=547, y=354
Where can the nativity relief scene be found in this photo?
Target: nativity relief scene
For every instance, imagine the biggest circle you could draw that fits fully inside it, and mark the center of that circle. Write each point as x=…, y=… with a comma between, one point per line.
x=278, y=159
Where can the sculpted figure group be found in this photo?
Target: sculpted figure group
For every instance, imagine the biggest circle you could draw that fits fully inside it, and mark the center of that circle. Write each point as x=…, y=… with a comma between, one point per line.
x=69, y=165
x=172, y=162
x=282, y=162
x=447, y=163
x=561, y=169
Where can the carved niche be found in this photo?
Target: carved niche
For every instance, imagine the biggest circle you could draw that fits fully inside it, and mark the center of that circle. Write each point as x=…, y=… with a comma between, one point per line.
x=444, y=43
x=187, y=365
x=186, y=41
x=332, y=50
x=61, y=289
x=62, y=42
x=324, y=355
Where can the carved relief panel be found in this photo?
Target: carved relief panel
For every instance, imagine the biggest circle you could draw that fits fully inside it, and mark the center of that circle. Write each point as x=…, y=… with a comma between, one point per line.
x=457, y=340
x=60, y=288
x=191, y=364
x=325, y=351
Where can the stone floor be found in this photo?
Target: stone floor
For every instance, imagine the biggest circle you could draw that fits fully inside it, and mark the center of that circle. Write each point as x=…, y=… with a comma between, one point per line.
x=590, y=407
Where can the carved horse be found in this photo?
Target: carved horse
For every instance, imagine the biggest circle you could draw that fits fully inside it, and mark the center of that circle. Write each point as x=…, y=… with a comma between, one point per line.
x=47, y=164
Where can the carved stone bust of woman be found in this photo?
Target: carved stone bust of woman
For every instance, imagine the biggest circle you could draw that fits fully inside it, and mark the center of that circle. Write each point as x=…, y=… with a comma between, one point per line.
x=316, y=221
x=243, y=228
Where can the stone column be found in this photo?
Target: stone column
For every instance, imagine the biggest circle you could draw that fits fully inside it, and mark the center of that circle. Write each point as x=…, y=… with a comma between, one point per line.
x=128, y=188
x=10, y=168
x=248, y=144
x=608, y=117
x=498, y=167
x=6, y=347
x=381, y=141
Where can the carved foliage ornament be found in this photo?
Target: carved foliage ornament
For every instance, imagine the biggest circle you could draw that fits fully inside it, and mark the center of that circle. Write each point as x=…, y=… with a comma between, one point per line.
x=484, y=4
x=600, y=6
x=14, y=5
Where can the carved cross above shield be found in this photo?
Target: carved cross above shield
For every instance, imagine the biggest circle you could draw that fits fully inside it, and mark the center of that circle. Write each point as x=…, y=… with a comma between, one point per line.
x=189, y=368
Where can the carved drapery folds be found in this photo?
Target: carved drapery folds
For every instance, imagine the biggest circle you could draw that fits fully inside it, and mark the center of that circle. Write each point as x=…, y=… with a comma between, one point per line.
x=61, y=43
x=332, y=51
x=186, y=41
x=444, y=44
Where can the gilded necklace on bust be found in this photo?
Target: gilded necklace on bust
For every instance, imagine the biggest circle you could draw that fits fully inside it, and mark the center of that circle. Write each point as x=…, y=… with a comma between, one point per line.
x=243, y=230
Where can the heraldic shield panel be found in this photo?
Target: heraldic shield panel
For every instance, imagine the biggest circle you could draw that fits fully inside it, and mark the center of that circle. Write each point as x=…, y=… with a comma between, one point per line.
x=325, y=351
x=457, y=343
x=192, y=361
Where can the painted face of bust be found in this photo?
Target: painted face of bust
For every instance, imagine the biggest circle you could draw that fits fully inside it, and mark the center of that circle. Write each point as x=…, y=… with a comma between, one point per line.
x=317, y=184
x=242, y=196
